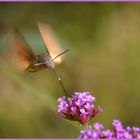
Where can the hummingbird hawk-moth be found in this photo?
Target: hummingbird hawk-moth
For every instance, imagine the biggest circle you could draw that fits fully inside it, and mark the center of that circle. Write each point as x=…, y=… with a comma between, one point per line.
x=24, y=58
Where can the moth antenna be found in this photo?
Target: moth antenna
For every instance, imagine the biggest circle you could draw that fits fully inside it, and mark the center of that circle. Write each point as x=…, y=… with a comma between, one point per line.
x=60, y=54
x=60, y=81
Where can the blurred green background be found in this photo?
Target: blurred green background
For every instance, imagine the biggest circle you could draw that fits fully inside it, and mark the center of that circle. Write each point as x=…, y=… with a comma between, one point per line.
x=104, y=58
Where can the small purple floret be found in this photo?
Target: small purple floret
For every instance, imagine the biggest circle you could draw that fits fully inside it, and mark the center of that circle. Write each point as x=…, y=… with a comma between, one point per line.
x=98, y=126
x=79, y=107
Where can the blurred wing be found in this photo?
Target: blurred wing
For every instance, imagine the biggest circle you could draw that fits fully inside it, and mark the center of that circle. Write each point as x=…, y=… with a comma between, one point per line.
x=50, y=41
x=21, y=54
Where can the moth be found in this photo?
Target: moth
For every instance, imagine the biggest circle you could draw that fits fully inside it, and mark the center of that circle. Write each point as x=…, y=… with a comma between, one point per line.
x=24, y=58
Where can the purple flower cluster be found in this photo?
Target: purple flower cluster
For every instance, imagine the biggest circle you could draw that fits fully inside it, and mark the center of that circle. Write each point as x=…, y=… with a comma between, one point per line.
x=118, y=132
x=79, y=107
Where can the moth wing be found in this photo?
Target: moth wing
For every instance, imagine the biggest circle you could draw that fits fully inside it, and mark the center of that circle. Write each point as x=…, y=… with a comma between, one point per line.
x=50, y=41
x=20, y=53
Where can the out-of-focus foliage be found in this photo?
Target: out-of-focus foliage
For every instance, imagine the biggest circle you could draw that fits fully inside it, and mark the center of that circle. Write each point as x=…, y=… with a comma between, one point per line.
x=104, y=58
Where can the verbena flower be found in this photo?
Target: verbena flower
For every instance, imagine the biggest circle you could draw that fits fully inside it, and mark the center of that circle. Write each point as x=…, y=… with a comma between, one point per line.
x=118, y=132
x=79, y=107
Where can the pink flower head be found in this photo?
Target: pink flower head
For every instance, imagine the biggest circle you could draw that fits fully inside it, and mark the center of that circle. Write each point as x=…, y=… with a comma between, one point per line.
x=79, y=107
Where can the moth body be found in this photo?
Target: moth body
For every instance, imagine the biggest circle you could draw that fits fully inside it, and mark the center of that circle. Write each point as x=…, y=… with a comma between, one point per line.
x=24, y=59
x=41, y=62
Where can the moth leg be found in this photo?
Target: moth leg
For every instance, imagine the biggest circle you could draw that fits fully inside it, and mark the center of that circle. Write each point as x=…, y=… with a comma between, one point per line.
x=38, y=64
x=30, y=70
